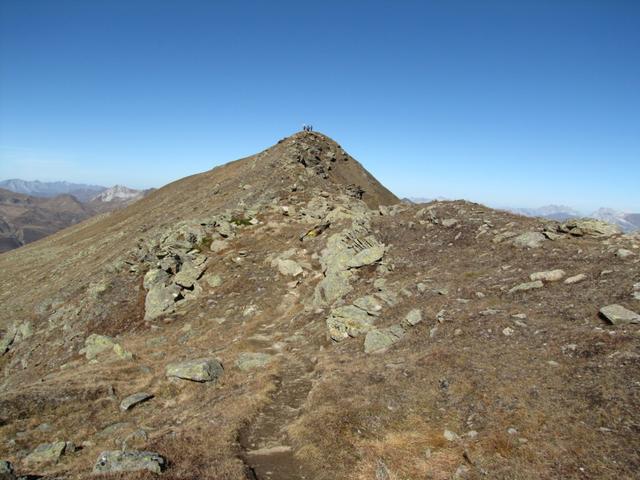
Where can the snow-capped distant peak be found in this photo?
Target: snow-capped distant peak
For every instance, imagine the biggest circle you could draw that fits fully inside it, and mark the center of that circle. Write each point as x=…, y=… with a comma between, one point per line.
x=117, y=193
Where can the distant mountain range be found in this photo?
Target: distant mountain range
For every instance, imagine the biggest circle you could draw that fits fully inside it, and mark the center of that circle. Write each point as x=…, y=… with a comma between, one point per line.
x=36, y=188
x=628, y=222
x=30, y=210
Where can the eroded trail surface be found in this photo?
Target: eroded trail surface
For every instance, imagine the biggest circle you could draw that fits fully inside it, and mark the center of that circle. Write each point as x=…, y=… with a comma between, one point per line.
x=268, y=452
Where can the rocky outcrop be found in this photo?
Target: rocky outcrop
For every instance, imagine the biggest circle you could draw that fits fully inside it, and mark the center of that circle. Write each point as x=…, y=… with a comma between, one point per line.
x=529, y=240
x=589, y=227
x=345, y=251
x=200, y=370
x=129, y=461
x=46, y=453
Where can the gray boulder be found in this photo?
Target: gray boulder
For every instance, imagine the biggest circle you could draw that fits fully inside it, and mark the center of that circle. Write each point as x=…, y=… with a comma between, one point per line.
x=95, y=344
x=250, y=360
x=618, y=315
x=48, y=453
x=188, y=274
x=135, y=399
x=129, y=461
x=348, y=321
x=154, y=277
x=414, y=317
x=377, y=341
x=200, y=370
x=529, y=240
x=160, y=299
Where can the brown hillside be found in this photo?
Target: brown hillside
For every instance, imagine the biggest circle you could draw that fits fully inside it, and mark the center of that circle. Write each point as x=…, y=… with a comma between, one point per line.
x=358, y=337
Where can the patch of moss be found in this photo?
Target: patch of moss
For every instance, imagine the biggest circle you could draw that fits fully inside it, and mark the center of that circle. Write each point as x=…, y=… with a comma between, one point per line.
x=241, y=221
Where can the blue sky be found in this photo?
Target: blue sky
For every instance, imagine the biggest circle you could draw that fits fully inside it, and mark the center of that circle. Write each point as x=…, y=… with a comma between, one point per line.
x=519, y=103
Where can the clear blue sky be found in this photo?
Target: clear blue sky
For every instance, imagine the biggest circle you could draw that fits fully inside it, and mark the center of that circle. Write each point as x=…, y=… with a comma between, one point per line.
x=511, y=102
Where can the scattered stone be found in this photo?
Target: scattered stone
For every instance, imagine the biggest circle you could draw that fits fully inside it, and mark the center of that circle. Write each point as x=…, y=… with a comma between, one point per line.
x=414, y=317
x=135, y=399
x=618, y=315
x=250, y=360
x=624, y=253
x=512, y=431
x=575, y=279
x=523, y=287
x=529, y=240
x=548, y=276
x=500, y=237
x=289, y=267
x=507, y=332
x=200, y=370
x=129, y=461
x=449, y=222
x=450, y=436
x=348, y=321
x=421, y=287
x=377, y=341
x=46, y=453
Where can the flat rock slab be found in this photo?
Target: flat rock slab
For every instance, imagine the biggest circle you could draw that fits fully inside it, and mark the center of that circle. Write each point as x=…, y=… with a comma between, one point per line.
x=618, y=315
x=135, y=399
x=414, y=317
x=46, y=453
x=523, y=287
x=131, y=461
x=199, y=370
x=348, y=321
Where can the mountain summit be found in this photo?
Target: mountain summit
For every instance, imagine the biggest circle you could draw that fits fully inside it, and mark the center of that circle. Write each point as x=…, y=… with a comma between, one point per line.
x=284, y=316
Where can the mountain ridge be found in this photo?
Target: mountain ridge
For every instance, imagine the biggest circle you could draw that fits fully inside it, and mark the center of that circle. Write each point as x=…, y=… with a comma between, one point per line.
x=286, y=316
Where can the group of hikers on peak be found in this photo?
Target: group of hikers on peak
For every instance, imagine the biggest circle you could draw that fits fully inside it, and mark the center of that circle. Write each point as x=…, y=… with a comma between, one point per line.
x=307, y=128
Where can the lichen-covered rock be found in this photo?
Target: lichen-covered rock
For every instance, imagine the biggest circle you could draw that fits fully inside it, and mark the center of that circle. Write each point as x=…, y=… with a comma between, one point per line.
x=369, y=304
x=529, y=240
x=523, y=287
x=199, y=370
x=348, y=321
x=250, y=360
x=188, y=274
x=414, y=317
x=153, y=277
x=366, y=257
x=95, y=344
x=160, y=299
x=46, y=453
x=129, y=461
x=378, y=341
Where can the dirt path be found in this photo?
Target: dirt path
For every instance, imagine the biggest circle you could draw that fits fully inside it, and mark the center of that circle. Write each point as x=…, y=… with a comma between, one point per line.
x=268, y=453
